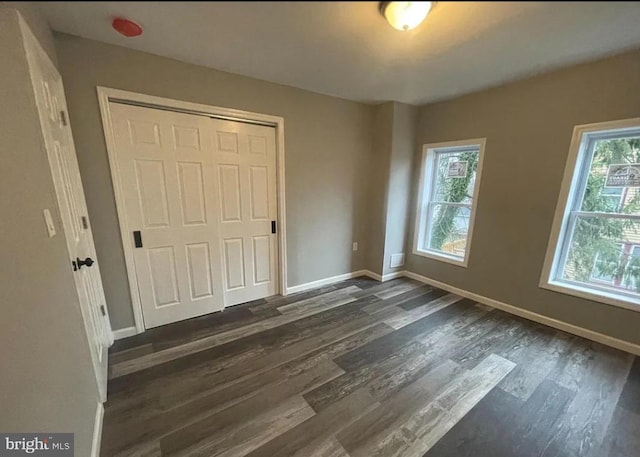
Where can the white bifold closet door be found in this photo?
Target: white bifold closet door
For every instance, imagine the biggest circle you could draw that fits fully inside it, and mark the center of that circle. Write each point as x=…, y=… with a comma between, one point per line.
x=199, y=197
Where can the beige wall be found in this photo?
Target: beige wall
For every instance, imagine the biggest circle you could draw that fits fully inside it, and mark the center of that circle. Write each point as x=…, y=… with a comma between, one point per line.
x=528, y=126
x=378, y=170
x=47, y=382
x=327, y=147
x=399, y=182
x=390, y=172
x=37, y=23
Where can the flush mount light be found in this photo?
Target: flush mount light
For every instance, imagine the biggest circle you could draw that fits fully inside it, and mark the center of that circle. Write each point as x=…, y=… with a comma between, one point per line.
x=405, y=15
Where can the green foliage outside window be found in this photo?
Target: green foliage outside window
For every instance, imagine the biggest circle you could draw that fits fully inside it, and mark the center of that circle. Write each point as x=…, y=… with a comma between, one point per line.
x=454, y=190
x=593, y=235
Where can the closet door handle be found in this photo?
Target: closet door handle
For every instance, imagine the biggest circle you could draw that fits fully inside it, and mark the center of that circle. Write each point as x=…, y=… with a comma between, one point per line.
x=137, y=238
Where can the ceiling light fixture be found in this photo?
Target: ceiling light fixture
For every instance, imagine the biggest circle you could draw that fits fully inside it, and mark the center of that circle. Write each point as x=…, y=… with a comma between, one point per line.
x=405, y=15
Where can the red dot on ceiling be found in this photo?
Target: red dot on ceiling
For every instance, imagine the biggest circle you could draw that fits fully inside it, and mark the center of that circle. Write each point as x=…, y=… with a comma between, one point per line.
x=126, y=27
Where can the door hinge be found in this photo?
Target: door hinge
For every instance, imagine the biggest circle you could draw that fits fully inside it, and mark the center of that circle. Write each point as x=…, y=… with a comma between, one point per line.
x=85, y=222
x=102, y=310
x=63, y=117
x=273, y=226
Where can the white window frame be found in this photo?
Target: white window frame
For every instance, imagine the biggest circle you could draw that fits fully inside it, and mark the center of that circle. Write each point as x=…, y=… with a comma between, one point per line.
x=572, y=187
x=426, y=183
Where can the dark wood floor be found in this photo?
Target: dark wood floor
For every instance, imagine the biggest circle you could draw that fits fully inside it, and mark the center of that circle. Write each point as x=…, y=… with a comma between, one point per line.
x=365, y=369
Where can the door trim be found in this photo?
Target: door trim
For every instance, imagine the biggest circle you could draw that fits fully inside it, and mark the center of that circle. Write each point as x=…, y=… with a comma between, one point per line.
x=107, y=95
x=97, y=431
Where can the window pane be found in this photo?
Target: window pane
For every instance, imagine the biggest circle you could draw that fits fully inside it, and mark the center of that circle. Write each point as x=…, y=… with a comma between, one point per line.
x=455, y=176
x=448, y=229
x=632, y=269
x=606, y=193
x=603, y=252
x=604, y=266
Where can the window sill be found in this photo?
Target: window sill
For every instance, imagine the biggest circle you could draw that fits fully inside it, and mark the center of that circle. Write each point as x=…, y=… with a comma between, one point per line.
x=608, y=298
x=453, y=260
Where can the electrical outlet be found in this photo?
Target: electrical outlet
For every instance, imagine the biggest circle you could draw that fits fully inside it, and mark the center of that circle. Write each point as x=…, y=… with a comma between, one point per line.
x=355, y=246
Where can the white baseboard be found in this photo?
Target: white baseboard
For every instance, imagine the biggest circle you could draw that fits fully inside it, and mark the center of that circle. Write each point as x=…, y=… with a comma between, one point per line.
x=124, y=333
x=327, y=281
x=394, y=275
x=372, y=275
x=384, y=278
x=97, y=431
x=560, y=325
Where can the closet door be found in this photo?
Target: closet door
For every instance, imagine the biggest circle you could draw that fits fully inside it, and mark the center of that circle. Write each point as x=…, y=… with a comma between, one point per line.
x=245, y=157
x=166, y=168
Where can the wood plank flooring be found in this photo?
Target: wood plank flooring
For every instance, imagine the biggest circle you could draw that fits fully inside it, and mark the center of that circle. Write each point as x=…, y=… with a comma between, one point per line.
x=363, y=369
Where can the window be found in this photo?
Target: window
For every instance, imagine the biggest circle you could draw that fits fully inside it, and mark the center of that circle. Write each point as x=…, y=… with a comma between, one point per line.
x=594, y=250
x=449, y=181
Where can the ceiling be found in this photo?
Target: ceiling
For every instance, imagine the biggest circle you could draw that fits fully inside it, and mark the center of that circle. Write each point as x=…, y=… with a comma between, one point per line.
x=347, y=49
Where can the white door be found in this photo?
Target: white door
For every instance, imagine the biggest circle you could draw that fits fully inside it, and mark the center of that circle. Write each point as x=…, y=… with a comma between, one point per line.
x=165, y=164
x=52, y=109
x=245, y=156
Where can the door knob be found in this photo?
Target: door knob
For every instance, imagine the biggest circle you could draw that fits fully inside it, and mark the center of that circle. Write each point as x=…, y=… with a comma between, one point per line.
x=86, y=262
